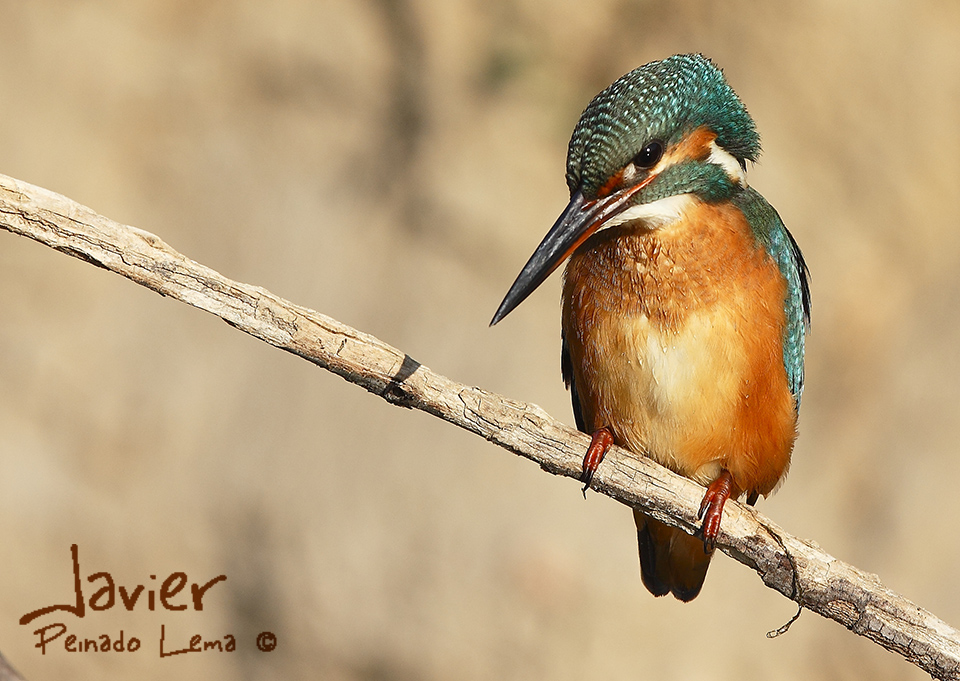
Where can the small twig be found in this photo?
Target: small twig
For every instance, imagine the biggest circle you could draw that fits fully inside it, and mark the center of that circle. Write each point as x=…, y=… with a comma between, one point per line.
x=784, y=628
x=797, y=568
x=796, y=594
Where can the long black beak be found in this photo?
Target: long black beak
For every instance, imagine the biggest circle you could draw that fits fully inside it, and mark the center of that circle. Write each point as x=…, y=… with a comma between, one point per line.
x=579, y=220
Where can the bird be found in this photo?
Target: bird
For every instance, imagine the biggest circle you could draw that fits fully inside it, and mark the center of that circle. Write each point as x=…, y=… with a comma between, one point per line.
x=685, y=300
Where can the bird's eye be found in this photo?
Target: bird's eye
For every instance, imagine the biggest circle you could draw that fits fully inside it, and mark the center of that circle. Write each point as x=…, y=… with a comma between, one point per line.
x=649, y=155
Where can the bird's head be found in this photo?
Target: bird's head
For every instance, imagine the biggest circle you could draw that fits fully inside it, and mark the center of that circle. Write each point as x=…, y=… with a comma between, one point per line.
x=643, y=147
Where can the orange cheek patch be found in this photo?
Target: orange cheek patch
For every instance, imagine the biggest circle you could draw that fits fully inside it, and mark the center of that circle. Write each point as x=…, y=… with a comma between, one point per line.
x=694, y=147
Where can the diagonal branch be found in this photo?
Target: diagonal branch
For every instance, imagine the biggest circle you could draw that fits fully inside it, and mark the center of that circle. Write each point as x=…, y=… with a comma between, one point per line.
x=8, y=673
x=797, y=568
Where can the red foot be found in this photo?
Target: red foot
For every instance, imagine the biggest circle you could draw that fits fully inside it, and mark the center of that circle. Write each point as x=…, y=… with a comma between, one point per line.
x=600, y=442
x=711, y=509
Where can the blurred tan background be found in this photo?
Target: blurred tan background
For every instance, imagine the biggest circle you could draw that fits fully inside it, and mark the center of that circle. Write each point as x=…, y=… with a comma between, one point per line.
x=392, y=163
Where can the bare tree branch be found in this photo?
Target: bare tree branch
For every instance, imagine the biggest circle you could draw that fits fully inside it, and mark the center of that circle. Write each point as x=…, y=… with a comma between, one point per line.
x=797, y=568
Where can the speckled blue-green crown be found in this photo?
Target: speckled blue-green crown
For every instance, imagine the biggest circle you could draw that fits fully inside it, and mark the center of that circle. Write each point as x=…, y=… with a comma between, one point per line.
x=662, y=100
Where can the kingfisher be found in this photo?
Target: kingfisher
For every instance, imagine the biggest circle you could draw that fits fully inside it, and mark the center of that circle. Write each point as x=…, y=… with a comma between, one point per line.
x=685, y=300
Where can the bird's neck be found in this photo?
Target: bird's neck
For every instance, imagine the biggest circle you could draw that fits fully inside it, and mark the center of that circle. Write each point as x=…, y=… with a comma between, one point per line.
x=663, y=271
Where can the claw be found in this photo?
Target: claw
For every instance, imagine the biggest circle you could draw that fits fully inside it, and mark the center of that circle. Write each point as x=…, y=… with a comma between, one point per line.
x=600, y=442
x=711, y=509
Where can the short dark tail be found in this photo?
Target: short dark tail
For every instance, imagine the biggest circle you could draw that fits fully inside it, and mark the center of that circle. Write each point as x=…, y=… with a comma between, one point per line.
x=670, y=559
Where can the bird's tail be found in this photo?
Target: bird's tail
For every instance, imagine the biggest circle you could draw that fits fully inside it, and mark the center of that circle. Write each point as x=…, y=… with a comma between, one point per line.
x=670, y=559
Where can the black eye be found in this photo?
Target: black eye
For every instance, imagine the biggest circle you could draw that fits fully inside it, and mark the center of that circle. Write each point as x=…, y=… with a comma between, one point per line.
x=649, y=156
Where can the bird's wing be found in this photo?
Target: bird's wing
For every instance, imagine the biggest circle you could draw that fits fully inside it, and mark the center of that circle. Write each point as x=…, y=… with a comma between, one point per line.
x=566, y=369
x=770, y=231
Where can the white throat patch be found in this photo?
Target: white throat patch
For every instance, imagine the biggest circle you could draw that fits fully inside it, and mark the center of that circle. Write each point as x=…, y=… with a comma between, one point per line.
x=655, y=214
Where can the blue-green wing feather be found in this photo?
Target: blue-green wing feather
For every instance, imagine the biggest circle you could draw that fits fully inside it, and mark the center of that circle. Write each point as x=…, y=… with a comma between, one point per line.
x=780, y=244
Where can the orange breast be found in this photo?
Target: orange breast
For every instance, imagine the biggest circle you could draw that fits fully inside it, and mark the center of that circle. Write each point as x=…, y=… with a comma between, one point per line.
x=675, y=336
